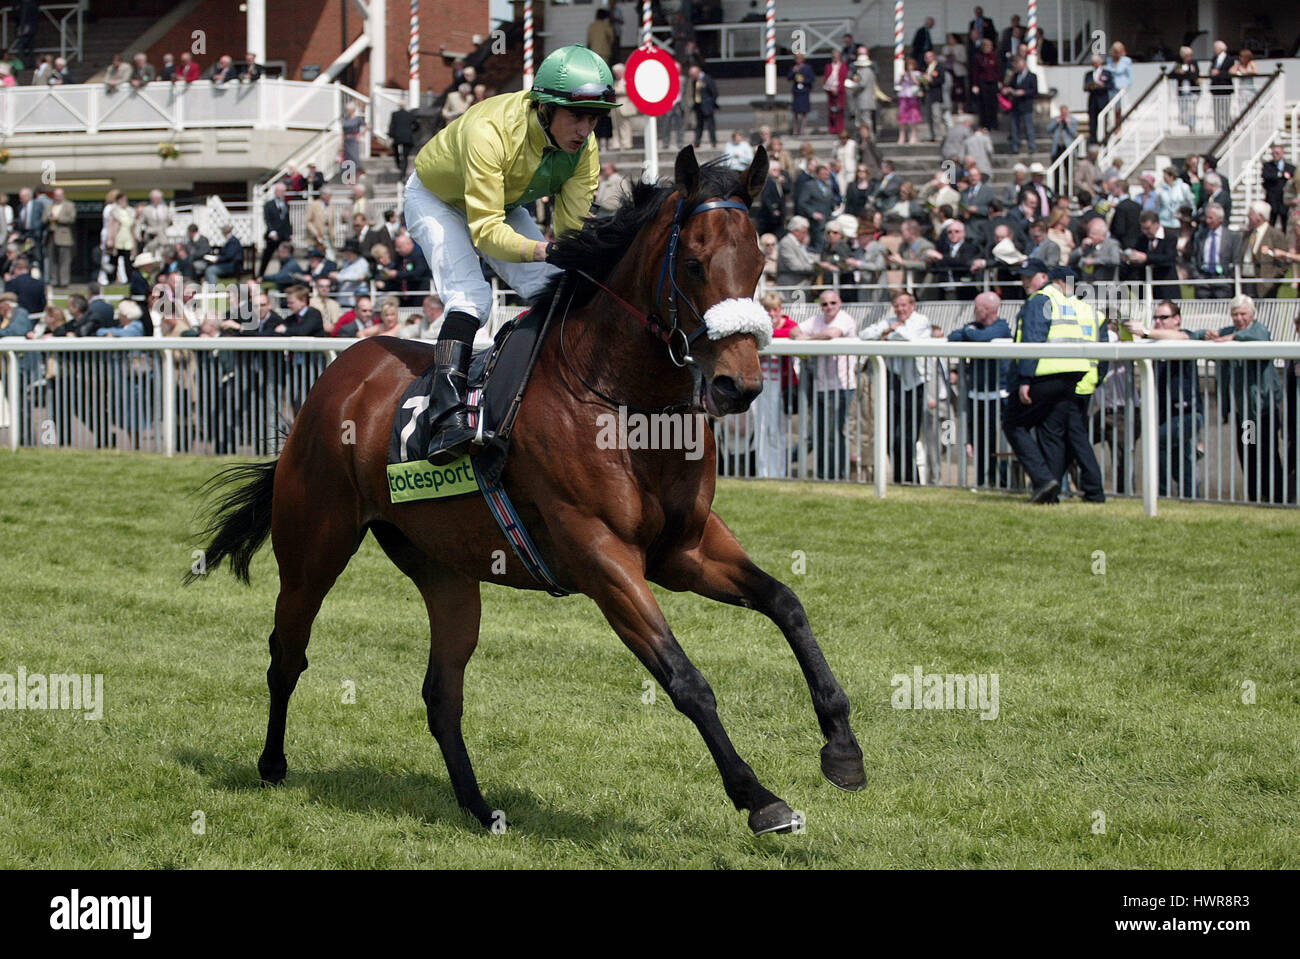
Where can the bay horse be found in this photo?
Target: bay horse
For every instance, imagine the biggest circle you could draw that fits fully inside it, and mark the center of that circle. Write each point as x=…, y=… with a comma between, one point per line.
x=608, y=521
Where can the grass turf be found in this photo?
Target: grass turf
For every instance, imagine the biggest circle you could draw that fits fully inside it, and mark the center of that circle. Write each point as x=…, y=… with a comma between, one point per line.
x=1120, y=693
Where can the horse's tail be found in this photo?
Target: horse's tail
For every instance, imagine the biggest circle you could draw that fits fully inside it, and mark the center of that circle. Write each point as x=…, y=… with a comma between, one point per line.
x=239, y=522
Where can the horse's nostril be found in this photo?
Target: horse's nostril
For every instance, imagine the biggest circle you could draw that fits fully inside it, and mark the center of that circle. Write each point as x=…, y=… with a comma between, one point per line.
x=724, y=387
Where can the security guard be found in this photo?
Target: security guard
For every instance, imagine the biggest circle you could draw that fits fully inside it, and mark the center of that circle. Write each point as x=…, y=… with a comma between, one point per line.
x=1078, y=445
x=1042, y=391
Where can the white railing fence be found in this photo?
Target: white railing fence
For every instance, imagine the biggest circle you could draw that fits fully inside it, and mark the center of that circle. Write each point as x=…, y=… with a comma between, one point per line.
x=1138, y=131
x=230, y=395
x=90, y=107
x=1241, y=156
x=1060, y=175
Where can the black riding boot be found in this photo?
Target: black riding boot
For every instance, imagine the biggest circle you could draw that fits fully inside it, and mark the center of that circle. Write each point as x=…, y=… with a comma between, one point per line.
x=448, y=414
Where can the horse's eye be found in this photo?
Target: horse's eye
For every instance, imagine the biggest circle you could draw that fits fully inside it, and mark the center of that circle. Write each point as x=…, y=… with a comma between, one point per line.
x=695, y=267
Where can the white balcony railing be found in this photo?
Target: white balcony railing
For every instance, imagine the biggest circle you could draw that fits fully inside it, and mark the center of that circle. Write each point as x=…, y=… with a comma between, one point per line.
x=90, y=108
x=1243, y=152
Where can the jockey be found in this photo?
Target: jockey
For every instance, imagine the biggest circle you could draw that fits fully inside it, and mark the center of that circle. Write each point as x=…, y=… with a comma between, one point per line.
x=468, y=198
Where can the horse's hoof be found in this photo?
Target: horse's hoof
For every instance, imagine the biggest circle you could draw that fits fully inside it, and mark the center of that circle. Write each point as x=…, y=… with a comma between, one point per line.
x=844, y=772
x=774, y=817
x=272, y=774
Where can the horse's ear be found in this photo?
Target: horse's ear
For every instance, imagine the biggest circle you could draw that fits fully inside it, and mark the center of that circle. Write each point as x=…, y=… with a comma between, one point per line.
x=753, y=179
x=687, y=171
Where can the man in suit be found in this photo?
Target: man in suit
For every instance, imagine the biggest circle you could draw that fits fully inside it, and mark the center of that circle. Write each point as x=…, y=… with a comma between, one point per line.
x=59, y=218
x=402, y=126
x=196, y=243
x=704, y=103
x=912, y=255
x=1038, y=185
x=1277, y=175
x=1158, y=250
x=30, y=223
x=1041, y=248
x=771, y=202
x=301, y=318
x=319, y=226
x=796, y=263
x=251, y=71
x=815, y=200
x=1098, y=255
x=290, y=271
x=1259, y=250
x=230, y=259
x=367, y=235
x=979, y=147
x=890, y=183
x=1214, y=192
x=951, y=260
x=1100, y=86
x=1124, y=226
x=981, y=27
x=278, y=228
x=224, y=70
x=154, y=222
x=1215, y=249
x=318, y=265
x=29, y=290
x=1221, y=65
x=1021, y=89
x=922, y=40
x=977, y=197
x=413, y=271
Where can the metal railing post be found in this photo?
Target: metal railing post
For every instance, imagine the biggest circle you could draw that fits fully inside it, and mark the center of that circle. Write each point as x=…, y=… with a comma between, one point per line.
x=169, y=402
x=1150, y=451
x=880, y=392
x=15, y=413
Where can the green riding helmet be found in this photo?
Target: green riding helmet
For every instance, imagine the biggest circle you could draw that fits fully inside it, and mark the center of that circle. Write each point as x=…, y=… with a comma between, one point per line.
x=574, y=76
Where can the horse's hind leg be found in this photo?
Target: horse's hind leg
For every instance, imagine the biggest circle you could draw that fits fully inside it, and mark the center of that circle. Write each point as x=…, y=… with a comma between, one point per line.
x=720, y=569
x=452, y=601
x=311, y=553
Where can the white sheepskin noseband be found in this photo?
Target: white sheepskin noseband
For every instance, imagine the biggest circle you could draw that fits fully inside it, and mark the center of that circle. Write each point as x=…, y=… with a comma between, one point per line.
x=738, y=316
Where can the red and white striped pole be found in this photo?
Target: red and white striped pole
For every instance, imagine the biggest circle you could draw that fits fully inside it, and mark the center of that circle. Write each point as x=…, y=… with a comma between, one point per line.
x=647, y=21
x=650, y=172
x=413, y=51
x=1033, y=35
x=769, y=51
x=898, y=40
x=528, y=44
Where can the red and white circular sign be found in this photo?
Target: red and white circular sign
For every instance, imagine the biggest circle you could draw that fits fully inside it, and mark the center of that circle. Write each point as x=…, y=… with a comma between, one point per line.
x=653, y=84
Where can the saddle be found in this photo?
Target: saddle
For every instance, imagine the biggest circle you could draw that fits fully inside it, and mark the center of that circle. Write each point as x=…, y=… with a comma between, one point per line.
x=498, y=378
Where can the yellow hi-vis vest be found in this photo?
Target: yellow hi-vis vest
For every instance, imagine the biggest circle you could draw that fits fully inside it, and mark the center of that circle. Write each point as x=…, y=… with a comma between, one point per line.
x=1088, y=323
x=1065, y=328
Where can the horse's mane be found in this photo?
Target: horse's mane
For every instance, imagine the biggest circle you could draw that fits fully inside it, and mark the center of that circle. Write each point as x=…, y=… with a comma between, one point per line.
x=601, y=243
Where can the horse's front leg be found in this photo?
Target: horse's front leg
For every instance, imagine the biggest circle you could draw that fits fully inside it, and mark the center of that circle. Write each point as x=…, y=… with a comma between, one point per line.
x=616, y=583
x=720, y=569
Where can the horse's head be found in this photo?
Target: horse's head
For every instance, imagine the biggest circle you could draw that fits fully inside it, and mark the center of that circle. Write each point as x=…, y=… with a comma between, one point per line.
x=717, y=264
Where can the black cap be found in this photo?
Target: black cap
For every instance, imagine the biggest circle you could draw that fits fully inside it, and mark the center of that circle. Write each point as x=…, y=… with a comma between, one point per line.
x=1032, y=266
x=1061, y=273
x=316, y=252
x=352, y=246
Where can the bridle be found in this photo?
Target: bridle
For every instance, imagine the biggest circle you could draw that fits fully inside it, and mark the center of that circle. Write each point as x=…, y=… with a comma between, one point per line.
x=676, y=339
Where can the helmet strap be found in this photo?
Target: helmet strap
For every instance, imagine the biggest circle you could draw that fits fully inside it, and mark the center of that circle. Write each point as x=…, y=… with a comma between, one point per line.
x=545, y=114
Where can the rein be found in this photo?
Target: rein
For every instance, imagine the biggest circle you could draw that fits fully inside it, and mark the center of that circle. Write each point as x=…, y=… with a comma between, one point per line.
x=652, y=323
